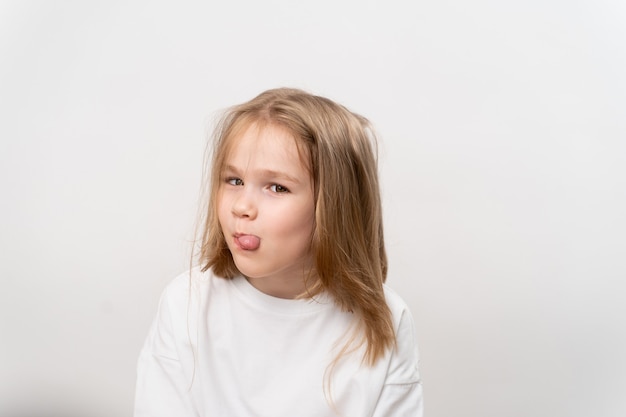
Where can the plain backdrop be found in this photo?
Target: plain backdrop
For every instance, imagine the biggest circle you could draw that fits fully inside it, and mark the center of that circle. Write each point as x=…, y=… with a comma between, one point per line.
x=503, y=164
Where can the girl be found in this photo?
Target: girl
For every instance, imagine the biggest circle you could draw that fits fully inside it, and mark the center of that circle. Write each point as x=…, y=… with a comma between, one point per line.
x=287, y=314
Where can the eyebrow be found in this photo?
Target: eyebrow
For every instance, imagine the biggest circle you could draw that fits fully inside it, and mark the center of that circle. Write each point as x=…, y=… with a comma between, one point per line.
x=266, y=173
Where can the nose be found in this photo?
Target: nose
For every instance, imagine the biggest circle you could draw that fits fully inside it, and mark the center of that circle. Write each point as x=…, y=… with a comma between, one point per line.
x=245, y=205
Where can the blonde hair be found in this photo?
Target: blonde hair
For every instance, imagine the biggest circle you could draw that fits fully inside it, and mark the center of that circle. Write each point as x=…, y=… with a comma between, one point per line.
x=347, y=245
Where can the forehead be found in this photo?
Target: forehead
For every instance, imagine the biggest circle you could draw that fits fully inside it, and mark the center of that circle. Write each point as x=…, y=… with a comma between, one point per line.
x=266, y=146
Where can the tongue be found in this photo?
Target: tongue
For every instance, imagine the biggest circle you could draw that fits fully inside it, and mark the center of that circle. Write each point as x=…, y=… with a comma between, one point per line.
x=248, y=242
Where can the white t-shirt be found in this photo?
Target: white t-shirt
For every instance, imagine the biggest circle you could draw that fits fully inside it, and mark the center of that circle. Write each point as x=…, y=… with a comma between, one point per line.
x=220, y=347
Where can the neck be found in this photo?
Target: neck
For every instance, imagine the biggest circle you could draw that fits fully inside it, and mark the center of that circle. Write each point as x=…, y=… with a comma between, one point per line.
x=290, y=288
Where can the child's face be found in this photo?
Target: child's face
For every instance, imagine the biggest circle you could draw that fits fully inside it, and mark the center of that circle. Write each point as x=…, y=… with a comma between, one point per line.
x=267, y=211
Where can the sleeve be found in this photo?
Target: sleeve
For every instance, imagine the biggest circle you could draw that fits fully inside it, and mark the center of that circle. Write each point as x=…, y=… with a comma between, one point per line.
x=401, y=395
x=162, y=388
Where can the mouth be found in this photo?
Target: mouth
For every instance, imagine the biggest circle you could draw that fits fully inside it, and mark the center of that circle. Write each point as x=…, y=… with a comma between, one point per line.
x=247, y=242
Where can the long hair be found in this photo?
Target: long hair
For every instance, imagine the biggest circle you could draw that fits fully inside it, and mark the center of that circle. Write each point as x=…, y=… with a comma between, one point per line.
x=347, y=245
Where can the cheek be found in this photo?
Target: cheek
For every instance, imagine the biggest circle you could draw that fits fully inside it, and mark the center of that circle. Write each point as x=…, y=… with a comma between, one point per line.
x=301, y=224
x=221, y=207
x=220, y=200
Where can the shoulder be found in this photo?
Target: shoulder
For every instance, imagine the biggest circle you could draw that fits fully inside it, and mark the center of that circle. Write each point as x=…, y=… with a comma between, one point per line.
x=191, y=289
x=396, y=304
x=182, y=298
x=192, y=280
x=401, y=315
x=404, y=361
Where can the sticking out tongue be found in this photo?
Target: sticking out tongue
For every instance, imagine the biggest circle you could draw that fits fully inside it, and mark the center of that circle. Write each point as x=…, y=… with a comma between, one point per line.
x=248, y=242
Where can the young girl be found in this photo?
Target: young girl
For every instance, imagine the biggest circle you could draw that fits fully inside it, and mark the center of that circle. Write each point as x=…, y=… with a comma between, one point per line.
x=287, y=314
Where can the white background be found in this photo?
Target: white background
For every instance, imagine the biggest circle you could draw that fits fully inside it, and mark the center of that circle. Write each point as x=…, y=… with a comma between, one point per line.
x=503, y=164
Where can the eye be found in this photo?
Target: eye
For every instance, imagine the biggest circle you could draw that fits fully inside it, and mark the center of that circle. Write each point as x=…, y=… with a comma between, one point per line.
x=234, y=181
x=277, y=188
